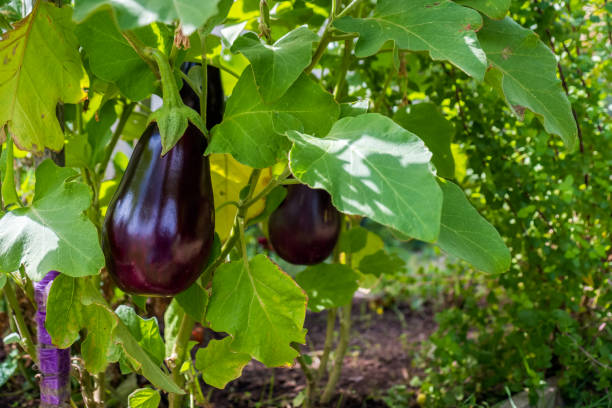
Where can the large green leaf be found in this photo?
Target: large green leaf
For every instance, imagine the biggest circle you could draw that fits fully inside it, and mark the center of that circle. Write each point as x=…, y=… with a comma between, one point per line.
x=52, y=234
x=496, y=9
x=41, y=66
x=137, y=13
x=373, y=167
x=426, y=121
x=467, y=235
x=529, y=75
x=261, y=307
x=277, y=66
x=219, y=364
x=328, y=285
x=111, y=57
x=445, y=29
x=67, y=314
x=75, y=304
x=250, y=127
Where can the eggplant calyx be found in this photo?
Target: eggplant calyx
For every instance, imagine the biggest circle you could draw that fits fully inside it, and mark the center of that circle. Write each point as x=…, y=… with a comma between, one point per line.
x=173, y=117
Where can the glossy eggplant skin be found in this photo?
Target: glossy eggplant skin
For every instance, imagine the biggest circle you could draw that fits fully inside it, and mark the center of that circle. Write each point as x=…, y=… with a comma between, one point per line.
x=159, y=227
x=304, y=229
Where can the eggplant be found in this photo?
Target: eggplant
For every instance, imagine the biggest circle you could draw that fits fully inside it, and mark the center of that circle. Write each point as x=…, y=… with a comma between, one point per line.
x=304, y=229
x=159, y=227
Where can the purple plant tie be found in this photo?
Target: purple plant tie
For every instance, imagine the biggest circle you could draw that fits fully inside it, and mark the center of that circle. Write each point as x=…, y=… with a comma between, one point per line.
x=54, y=363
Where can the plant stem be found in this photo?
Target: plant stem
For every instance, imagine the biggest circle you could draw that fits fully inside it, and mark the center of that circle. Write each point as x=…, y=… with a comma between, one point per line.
x=204, y=75
x=345, y=331
x=329, y=342
x=191, y=84
x=348, y=8
x=223, y=68
x=178, y=352
x=264, y=21
x=346, y=61
x=267, y=189
x=24, y=331
x=139, y=47
x=127, y=111
x=311, y=382
x=98, y=393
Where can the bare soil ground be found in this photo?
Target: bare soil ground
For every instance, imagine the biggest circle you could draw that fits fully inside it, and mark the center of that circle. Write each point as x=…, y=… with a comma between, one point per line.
x=379, y=356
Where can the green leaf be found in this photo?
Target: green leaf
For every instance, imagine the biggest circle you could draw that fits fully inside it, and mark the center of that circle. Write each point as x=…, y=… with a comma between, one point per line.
x=529, y=77
x=445, y=29
x=426, y=121
x=380, y=262
x=111, y=57
x=8, y=366
x=277, y=66
x=144, y=331
x=261, y=307
x=144, y=398
x=137, y=13
x=373, y=167
x=74, y=304
x=353, y=240
x=466, y=234
x=496, y=9
x=52, y=234
x=354, y=108
x=219, y=364
x=141, y=361
x=251, y=129
x=41, y=66
x=328, y=285
x=194, y=301
x=223, y=9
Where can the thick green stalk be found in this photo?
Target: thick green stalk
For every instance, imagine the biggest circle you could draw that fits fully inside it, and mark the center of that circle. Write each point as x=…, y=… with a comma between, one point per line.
x=204, y=92
x=24, y=331
x=329, y=342
x=264, y=21
x=345, y=332
x=179, y=352
x=346, y=62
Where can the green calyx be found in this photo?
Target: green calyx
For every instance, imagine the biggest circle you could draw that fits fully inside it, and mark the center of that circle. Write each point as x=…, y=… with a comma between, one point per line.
x=173, y=117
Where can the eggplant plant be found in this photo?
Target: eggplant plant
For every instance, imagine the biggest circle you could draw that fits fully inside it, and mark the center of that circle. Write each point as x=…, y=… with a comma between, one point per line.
x=305, y=144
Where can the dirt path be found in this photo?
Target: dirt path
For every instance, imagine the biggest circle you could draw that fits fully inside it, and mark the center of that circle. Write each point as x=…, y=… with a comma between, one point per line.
x=379, y=356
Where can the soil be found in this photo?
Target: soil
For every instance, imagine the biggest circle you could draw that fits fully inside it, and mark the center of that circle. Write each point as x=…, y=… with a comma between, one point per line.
x=379, y=356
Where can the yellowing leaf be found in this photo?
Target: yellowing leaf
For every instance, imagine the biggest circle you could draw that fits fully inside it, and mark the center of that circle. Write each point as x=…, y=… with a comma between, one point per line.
x=228, y=178
x=41, y=65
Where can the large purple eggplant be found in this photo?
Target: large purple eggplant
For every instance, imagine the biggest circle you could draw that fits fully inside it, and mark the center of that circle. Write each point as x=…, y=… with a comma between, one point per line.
x=159, y=227
x=304, y=229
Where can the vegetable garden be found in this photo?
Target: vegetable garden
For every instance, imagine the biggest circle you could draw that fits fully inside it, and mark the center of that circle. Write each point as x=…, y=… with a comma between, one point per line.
x=199, y=198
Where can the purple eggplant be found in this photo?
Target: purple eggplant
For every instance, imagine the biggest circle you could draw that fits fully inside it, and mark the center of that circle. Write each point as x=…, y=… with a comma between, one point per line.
x=304, y=229
x=159, y=226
